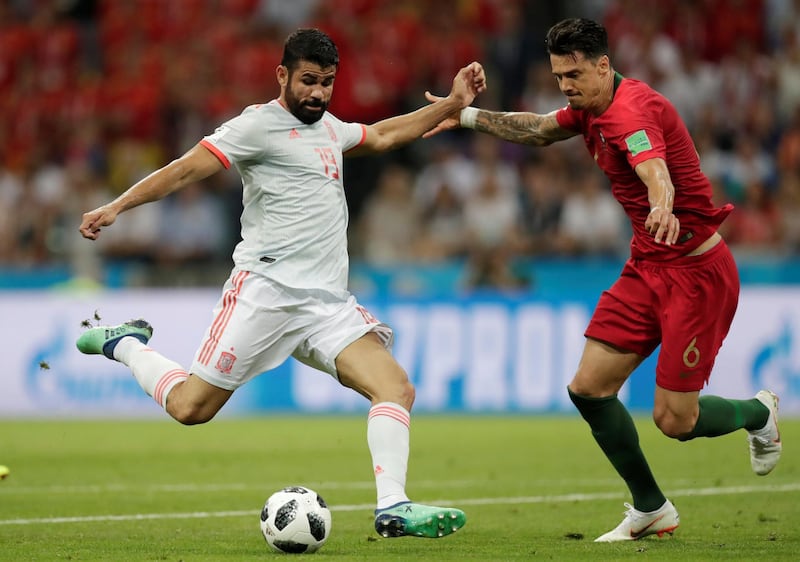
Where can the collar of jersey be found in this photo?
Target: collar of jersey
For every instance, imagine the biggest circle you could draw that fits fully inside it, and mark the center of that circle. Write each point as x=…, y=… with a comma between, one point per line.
x=618, y=78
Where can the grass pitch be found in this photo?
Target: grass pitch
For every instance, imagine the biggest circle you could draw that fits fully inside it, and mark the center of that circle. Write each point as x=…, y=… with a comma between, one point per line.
x=533, y=488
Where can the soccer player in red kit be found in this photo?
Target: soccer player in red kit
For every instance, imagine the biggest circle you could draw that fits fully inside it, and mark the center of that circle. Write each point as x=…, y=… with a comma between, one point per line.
x=679, y=288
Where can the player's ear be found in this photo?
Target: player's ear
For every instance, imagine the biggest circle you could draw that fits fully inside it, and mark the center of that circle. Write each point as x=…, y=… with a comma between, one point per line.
x=603, y=64
x=282, y=73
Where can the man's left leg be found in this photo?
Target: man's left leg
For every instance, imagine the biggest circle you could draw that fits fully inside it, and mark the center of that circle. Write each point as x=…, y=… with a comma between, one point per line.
x=685, y=416
x=368, y=368
x=703, y=301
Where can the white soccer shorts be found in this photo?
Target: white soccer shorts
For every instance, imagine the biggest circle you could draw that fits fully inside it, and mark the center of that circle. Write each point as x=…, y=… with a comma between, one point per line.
x=258, y=324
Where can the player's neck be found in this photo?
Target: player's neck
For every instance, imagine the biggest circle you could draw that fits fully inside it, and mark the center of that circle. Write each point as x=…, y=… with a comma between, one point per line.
x=606, y=94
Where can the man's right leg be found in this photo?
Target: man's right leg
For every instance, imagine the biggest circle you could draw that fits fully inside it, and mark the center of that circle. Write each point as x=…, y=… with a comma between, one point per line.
x=601, y=373
x=187, y=398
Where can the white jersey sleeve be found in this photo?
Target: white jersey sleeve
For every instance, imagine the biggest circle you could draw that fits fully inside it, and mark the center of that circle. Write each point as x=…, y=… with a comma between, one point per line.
x=294, y=222
x=241, y=138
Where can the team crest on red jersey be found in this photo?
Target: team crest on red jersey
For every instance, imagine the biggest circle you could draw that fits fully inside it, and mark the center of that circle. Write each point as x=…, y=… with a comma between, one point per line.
x=225, y=362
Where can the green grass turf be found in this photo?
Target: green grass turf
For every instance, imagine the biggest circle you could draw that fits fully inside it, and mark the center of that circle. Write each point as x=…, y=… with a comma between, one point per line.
x=533, y=488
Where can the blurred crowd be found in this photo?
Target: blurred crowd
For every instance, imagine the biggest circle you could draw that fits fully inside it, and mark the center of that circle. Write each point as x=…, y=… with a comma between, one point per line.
x=96, y=94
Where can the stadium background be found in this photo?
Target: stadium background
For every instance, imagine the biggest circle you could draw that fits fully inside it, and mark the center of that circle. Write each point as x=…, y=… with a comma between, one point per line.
x=486, y=257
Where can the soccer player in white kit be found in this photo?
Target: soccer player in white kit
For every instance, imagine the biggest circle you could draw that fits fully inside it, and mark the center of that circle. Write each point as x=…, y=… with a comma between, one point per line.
x=287, y=293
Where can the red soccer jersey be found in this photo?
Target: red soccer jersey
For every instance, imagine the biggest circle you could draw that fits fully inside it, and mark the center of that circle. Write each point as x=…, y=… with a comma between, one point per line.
x=641, y=124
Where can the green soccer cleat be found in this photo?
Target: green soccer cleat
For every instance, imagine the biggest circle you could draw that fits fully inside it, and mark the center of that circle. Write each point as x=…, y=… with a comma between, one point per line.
x=103, y=339
x=409, y=519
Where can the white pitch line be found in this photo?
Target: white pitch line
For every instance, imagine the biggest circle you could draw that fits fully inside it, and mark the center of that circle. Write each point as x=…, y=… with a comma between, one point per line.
x=717, y=491
x=210, y=488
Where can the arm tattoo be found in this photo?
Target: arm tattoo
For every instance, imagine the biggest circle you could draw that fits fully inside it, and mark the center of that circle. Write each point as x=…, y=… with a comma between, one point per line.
x=522, y=127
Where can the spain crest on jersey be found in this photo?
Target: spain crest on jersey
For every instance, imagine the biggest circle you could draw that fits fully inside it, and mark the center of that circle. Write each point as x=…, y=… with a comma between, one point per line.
x=225, y=362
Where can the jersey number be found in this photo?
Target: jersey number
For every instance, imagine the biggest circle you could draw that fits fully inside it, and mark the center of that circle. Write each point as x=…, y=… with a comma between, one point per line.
x=691, y=355
x=329, y=161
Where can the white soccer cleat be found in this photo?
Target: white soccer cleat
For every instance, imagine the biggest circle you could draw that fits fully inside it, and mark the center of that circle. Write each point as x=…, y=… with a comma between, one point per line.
x=638, y=524
x=765, y=443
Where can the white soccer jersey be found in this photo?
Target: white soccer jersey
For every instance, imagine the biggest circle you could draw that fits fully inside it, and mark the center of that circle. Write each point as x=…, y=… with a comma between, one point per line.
x=294, y=223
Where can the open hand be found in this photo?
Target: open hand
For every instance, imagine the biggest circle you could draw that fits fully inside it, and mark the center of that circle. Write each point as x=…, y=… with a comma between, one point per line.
x=663, y=225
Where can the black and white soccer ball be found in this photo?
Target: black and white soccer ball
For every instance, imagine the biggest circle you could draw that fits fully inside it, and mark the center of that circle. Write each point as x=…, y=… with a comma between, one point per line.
x=296, y=520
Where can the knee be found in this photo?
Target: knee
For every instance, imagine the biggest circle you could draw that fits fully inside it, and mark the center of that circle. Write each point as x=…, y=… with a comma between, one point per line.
x=406, y=395
x=188, y=413
x=399, y=391
x=672, y=425
x=391, y=385
x=579, y=388
x=591, y=384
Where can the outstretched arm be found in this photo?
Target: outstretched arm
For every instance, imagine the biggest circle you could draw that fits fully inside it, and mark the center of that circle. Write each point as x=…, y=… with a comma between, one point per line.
x=397, y=131
x=198, y=163
x=519, y=127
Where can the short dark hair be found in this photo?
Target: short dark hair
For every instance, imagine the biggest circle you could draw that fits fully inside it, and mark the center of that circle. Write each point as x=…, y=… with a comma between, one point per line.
x=310, y=45
x=577, y=35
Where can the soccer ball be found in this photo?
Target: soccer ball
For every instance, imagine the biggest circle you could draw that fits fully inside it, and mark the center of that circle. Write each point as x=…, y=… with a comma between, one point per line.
x=296, y=520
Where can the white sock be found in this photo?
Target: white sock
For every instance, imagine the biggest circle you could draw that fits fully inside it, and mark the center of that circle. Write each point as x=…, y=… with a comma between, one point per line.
x=156, y=374
x=388, y=440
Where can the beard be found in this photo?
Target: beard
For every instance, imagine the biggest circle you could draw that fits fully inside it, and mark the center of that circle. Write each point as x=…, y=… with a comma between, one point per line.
x=309, y=111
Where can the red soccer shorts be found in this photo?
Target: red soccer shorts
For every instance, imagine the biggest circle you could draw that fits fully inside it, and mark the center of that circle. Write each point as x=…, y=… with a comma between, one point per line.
x=686, y=305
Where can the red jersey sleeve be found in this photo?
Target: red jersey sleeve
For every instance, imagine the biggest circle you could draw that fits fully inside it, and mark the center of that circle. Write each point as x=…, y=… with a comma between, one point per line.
x=640, y=134
x=570, y=119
